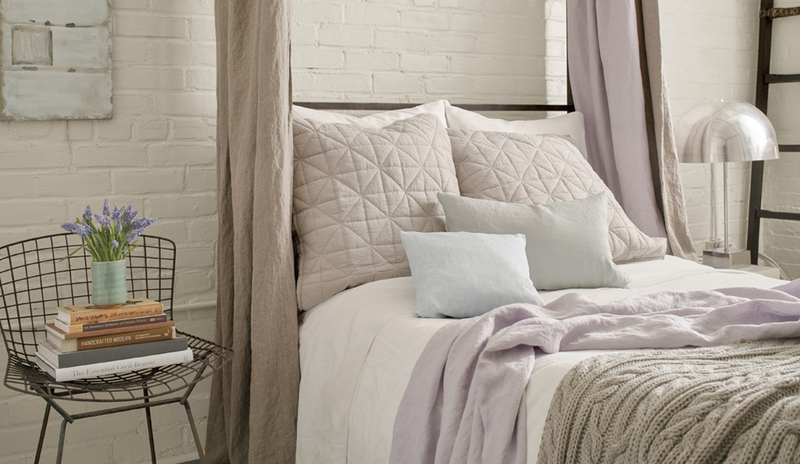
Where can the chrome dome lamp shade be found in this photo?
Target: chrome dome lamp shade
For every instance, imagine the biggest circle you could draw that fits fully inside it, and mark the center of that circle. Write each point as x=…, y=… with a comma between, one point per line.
x=724, y=132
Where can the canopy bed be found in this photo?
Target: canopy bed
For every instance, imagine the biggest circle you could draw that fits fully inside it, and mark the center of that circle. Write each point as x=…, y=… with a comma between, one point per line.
x=368, y=199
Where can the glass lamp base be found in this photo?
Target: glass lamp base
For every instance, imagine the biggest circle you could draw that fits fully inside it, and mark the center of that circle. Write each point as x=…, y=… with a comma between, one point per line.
x=721, y=259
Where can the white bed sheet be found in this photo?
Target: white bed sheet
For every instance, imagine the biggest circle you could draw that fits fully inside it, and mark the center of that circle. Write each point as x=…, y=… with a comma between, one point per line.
x=357, y=351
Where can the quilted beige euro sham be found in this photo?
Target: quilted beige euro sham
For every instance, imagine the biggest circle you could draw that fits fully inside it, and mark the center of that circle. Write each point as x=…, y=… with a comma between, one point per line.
x=540, y=169
x=355, y=189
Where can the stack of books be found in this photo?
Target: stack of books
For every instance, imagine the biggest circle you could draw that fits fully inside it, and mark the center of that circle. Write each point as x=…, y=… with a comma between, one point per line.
x=85, y=341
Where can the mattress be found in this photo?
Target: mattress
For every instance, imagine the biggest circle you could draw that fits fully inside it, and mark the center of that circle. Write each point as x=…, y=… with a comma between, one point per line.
x=358, y=349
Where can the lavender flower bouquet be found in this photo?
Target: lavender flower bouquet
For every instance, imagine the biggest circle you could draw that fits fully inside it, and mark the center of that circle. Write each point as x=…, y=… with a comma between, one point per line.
x=110, y=236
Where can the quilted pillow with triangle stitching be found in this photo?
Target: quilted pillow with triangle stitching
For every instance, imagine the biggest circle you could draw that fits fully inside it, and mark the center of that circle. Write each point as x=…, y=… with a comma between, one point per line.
x=355, y=189
x=539, y=169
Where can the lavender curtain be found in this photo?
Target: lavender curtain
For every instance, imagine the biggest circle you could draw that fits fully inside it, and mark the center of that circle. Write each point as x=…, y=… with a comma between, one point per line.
x=607, y=77
x=253, y=405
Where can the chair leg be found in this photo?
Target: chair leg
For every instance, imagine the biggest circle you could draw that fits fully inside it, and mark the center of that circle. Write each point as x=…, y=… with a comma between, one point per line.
x=61, y=441
x=41, y=434
x=194, y=432
x=150, y=428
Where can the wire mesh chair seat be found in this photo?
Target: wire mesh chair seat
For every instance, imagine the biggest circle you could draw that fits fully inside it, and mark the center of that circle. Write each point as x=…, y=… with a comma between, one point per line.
x=35, y=280
x=25, y=377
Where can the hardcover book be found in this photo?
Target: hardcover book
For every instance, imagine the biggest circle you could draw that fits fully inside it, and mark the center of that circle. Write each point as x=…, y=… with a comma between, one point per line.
x=113, y=367
x=101, y=327
x=82, y=314
x=103, y=341
x=60, y=334
x=59, y=359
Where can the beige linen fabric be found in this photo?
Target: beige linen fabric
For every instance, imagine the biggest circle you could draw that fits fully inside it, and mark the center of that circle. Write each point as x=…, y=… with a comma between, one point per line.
x=355, y=189
x=675, y=217
x=540, y=169
x=253, y=404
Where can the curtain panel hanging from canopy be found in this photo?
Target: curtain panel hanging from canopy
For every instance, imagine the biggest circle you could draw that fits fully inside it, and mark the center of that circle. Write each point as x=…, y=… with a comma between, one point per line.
x=253, y=404
x=608, y=84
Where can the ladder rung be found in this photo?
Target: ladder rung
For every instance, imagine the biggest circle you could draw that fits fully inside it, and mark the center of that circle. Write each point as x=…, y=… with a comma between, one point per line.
x=767, y=214
x=789, y=148
x=774, y=13
x=781, y=78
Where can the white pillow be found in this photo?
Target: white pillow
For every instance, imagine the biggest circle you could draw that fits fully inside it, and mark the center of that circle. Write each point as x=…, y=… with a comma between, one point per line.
x=570, y=125
x=375, y=120
x=462, y=274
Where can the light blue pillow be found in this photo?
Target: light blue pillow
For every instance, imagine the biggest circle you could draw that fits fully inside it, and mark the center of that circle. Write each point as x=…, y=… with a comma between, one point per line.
x=463, y=274
x=567, y=243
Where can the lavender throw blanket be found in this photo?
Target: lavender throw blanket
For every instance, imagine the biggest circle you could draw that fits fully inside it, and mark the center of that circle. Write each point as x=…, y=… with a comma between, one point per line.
x=464, y=402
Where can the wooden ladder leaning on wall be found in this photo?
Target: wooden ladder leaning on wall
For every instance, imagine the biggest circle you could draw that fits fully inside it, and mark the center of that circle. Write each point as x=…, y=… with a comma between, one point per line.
x=768, y=13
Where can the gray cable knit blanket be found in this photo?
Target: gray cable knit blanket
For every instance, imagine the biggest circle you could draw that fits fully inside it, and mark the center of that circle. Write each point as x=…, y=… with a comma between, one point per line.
x=729, y=404
x=465, y=401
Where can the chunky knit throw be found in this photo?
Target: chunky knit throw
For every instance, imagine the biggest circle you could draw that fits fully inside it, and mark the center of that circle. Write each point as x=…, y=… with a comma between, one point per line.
x=726, y=404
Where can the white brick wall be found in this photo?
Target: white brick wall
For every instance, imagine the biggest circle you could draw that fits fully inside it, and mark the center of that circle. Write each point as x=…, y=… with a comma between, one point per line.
x=158, y=153
x=414, y=51
x=709, y=55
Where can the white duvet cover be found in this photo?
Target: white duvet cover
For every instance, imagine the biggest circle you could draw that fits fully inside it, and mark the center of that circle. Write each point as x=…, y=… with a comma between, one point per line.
x=357, y=351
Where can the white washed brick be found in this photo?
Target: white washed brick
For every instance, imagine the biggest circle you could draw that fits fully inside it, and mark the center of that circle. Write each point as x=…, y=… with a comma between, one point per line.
x=185, y=7
x=348, y=36
x=398, y=83
x=392, y=40
x=202, y=28
x=110, y=156
x=113, y=129
x=79, y=130
x=319, y=12
x=196, y=103
x=149, y=26
x=126, y=49
x=191, y=129
x=153, y=130
x=30, y=212
x=371, y=61
x=181, y=155
x=447, y=42
x=342, y=82
x=149, y=181
x=371, y=14
x=32, y=129
x=181, y=54
x=129, y=4
x=185, y=206
x=423, y=63
x=149, y=78
x=73, y=184
x=15, y=185
x=133, y=104
x=312, y=57
x=13, y=156
x=427, y=20
x=201, y=179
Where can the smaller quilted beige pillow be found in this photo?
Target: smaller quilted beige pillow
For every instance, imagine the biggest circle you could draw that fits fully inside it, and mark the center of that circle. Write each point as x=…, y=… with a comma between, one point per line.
x=355, y=190
x=540, y=169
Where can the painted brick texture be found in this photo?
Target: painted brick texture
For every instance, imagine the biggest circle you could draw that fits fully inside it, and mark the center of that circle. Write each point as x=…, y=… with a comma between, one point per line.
x=158, y=153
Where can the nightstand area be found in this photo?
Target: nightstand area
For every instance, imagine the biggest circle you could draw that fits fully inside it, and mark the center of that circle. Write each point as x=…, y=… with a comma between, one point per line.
x=768, y=271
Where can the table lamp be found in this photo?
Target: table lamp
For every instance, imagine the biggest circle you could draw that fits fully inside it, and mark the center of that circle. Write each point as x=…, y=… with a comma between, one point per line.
x=724, y=132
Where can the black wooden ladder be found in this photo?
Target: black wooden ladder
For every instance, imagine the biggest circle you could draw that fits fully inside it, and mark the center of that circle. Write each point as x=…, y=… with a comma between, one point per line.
x=764, y=78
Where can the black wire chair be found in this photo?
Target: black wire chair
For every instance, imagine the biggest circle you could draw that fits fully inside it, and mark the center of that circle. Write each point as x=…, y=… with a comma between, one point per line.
x=35, y=281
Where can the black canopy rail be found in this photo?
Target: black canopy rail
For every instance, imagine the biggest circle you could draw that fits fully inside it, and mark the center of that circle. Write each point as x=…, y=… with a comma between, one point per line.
x=380, y=106
x=764, y=78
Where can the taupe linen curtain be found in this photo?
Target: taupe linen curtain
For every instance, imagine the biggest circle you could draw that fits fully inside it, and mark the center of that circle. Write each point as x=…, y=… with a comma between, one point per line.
x=253, y=405
x=606, y=75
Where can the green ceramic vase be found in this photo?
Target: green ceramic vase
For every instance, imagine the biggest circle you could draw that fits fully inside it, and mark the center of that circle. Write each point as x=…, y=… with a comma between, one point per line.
x=109, y=288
